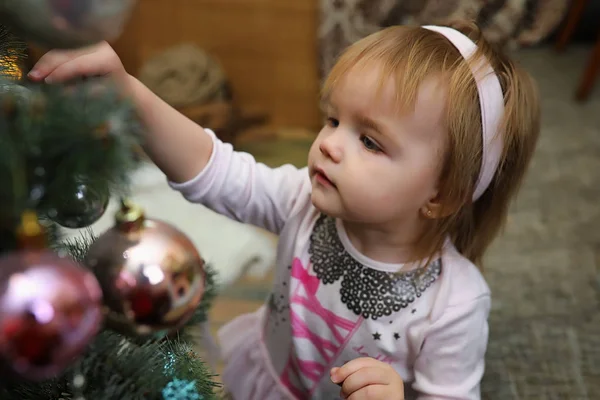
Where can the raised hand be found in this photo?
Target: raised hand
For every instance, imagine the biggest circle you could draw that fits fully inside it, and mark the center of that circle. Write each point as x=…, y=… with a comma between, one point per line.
x=64, y=65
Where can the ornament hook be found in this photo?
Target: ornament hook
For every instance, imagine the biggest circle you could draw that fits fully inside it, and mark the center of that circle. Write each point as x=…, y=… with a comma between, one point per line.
x=31, y=234
x=130, y=216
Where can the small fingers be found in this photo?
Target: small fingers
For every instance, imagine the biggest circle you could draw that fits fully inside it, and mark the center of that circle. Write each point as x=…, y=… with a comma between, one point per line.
x=339, y=374
x=374, y=392
x=47, y=66
x=93, y=64
x=364, y=377
x=48, y=63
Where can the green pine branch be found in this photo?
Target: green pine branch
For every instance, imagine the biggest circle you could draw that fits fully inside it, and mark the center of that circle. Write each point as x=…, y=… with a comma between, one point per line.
x=114, y=368
x=55, y=136
x=52, y=138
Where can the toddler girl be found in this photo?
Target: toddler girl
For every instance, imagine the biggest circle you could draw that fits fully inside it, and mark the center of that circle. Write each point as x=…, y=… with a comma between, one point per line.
x=376, y=293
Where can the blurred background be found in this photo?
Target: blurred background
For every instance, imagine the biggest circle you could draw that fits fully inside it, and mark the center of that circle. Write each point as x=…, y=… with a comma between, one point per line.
x=250, y=70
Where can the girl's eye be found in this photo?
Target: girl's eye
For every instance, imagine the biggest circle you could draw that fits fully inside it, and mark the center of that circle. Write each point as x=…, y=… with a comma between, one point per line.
x=334, y=123
x=369, y=144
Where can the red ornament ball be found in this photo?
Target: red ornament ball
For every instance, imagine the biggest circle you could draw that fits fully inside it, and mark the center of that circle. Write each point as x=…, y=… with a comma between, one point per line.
x=151, y=274
x=50, y=310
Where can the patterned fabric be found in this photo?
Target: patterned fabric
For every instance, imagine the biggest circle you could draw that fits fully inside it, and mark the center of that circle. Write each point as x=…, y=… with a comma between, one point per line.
x=367, y=292
x=504, y=22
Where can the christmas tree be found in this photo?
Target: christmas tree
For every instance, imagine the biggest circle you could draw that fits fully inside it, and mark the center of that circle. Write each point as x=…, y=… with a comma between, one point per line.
x=99, y=317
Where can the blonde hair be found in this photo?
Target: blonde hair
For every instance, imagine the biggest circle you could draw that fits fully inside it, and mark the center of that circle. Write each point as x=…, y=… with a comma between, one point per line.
x=411, y=54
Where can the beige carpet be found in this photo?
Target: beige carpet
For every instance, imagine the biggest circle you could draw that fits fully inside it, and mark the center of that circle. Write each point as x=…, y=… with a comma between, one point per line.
x=545, y=322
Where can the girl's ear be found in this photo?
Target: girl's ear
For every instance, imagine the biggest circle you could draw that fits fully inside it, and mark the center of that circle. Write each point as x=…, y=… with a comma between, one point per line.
x=437, y=207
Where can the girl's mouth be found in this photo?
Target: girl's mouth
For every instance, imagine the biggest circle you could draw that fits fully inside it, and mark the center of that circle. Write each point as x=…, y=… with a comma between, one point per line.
x=323, y=179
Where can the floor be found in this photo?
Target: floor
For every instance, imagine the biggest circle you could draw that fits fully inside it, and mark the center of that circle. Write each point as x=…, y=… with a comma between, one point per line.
x=544, y=271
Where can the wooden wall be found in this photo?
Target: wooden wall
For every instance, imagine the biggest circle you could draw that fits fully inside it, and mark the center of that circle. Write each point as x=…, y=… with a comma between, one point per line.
x=268, y=48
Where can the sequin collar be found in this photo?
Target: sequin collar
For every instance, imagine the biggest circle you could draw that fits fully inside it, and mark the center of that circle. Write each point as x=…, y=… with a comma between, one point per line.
x=367, y=292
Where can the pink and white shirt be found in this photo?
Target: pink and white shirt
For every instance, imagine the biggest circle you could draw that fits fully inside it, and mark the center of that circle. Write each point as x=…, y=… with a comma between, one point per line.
x=330, y=304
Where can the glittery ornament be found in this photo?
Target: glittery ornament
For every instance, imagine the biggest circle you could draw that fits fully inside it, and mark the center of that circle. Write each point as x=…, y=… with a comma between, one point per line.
x=50, y=307
x=80, y=207
x=151, y=274
x=180, y=389
x=169, y=363
x=66, y=23
x=10, y=67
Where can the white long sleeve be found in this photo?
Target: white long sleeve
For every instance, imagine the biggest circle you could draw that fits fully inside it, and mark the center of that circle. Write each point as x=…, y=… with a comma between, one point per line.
x=451, y=363
x=235, y=185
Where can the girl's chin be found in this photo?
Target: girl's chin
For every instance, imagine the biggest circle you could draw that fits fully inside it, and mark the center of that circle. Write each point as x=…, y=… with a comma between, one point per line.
x=326, y=204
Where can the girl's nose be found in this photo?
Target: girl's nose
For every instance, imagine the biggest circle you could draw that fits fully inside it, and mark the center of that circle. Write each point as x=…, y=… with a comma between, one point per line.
x=331, y=148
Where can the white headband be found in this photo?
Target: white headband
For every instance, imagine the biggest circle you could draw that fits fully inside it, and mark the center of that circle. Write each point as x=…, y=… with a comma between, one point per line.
x=491, y=100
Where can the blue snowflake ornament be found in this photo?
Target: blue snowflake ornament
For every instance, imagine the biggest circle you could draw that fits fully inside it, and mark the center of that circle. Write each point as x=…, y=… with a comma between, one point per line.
x=181, y=389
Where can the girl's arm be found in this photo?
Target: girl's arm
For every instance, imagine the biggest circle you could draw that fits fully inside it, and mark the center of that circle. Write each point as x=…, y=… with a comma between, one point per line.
x=451, y=363
x=176, y=144
x=207, y=171
x=235, y=185
x=201, y=167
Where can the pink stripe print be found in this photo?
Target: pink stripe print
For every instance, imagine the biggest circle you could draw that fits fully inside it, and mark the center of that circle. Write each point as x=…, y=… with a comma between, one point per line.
x=327, y=347
x=332, y=320
x=291, y=370
x=301, y=330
